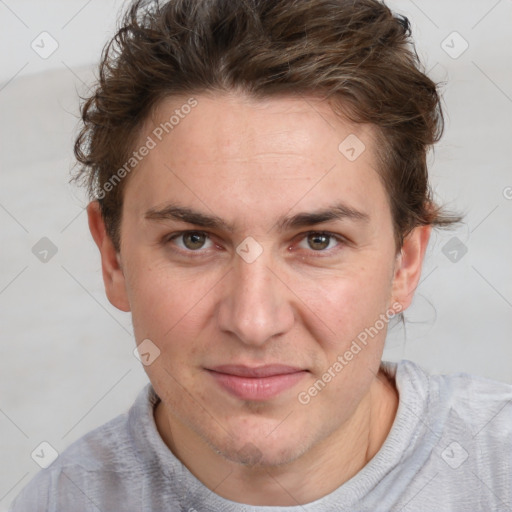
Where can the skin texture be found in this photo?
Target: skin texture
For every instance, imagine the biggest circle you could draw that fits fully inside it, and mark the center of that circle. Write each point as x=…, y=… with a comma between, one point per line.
x=301, y=302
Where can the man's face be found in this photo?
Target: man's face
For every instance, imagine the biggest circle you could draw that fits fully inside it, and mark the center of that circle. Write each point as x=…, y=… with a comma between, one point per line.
x=219, y=303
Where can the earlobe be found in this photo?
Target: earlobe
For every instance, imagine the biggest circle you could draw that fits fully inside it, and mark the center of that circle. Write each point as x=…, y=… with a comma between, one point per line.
x=113, y=275
x=409, y=265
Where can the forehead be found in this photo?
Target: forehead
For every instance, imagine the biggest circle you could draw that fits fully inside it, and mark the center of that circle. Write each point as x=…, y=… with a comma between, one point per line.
x=231, y=126
x=264, y=153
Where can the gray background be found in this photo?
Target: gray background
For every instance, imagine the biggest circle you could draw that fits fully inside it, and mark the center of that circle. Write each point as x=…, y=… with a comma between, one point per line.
x=67, y=364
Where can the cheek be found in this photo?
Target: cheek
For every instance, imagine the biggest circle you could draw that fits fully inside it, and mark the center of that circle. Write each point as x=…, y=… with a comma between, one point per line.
x=347, y=303
x=352, y=338
x=168, y=304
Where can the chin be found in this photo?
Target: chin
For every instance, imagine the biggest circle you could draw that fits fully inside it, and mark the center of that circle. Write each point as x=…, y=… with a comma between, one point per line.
x=260, y=451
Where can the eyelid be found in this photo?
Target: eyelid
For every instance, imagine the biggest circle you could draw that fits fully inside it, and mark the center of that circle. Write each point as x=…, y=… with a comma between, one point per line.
x=170, y=237
x=188, y=252
x=339, y=238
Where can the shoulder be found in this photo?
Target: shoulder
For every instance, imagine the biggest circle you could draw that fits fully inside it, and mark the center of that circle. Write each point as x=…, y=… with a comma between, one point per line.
x=485, y=405
x=451, y=442
x=104, y=458
x=479, y=406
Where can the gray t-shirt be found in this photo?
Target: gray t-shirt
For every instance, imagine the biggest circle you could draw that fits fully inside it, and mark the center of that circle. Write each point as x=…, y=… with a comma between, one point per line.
x=449, y=449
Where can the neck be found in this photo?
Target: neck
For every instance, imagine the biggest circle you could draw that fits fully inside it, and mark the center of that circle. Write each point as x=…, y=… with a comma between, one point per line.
x=318, y=472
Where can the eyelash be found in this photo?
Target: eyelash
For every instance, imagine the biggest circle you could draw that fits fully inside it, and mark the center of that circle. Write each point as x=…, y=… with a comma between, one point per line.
x=198, y=253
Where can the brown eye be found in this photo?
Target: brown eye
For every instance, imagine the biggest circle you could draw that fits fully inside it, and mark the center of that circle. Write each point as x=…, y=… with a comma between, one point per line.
x=318, y=241
x=190, y=241
x=193, y=240
x=322, y=242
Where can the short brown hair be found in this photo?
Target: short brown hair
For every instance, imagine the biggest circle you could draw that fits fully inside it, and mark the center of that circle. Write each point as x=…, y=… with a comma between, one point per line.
x=356, y=54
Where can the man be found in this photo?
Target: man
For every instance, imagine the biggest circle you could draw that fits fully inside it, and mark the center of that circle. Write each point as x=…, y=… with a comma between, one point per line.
x=261, y=205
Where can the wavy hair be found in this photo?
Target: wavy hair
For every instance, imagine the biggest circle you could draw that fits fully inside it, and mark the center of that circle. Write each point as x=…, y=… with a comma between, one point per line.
x=358, y=55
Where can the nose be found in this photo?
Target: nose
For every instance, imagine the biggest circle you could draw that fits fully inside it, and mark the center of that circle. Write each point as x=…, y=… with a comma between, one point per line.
x=256, y=304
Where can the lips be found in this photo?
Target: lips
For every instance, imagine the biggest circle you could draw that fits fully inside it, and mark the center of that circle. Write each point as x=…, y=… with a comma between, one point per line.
x=256, y=383
x=259, y=371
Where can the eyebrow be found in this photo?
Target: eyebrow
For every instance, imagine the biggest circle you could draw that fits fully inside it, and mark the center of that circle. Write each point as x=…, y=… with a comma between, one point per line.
x=173, y=211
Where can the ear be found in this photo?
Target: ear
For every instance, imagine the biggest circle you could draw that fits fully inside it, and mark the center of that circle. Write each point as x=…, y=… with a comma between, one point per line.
x=409, y=264
x=113, y=275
